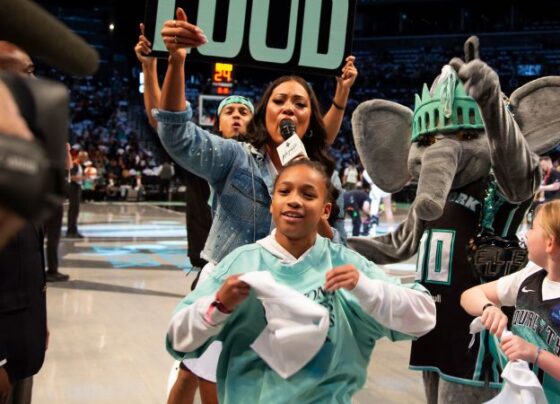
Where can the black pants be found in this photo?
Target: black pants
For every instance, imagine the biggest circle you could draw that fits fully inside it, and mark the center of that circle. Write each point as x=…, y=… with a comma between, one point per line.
x=356, y=221
x=52, y=230
x=74, y=198
x=198, y=214
x=20, y=392
x=164, y=189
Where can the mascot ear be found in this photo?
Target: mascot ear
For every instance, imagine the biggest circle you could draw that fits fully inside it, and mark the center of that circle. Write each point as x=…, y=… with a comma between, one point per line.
x=382, y=131
x=535, y=109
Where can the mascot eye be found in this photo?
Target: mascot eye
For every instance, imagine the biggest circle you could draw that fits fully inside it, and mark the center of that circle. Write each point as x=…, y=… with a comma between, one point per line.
x=467, y=135
x=426, y=140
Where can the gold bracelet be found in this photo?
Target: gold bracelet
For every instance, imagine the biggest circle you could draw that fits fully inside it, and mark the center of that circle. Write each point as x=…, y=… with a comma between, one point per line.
x=338, y=106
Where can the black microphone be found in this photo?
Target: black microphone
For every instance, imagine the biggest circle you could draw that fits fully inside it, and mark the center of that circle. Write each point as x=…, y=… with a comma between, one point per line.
x=287, y=128
x=292, y=148
x=40, y=34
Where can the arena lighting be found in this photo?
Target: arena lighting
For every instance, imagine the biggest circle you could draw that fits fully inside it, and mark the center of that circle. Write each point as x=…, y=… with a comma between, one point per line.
x=141, y=83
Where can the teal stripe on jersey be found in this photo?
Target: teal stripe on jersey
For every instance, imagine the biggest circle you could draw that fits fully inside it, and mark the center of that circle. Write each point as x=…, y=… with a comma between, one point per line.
x=480, y=356
x=454, y=379
x=508, y=222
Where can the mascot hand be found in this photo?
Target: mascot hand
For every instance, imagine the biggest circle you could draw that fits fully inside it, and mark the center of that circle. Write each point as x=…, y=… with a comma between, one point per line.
x=481, y=82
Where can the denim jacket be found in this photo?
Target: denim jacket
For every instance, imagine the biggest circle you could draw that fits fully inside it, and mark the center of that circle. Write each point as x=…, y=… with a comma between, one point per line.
x=236, y=171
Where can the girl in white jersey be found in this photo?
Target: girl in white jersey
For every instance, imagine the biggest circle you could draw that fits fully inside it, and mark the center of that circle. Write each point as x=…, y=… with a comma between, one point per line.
x=535, y=293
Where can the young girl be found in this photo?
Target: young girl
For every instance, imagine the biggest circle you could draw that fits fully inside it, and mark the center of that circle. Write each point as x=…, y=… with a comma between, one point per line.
x=364, y=303
x=535, y=293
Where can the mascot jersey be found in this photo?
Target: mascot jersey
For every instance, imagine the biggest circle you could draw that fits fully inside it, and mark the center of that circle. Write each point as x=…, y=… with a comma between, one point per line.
x=442, y=268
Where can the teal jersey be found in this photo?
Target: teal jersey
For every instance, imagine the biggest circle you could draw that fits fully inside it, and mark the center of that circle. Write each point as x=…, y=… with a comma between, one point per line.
x=339, y=368
x=538, y=321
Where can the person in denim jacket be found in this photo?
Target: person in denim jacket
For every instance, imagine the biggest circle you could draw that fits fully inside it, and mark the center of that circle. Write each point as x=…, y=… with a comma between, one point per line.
x=241, y=174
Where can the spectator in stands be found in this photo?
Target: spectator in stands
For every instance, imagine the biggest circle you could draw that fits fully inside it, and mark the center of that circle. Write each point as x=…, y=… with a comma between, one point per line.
x=550, y=185
x=356, y=205
x=337, y=221
x=127, y=183
x=376, y=195
x=112, y=190
x=90, y=180
x=166, y=174
x=75, y=194
x=350, y=177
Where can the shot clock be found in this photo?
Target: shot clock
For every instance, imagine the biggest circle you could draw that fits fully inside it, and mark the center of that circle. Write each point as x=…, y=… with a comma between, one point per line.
x=222, y=78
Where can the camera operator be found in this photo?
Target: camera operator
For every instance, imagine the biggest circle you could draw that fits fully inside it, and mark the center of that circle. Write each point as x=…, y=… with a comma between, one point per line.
x=23, y=317
x=35, y=157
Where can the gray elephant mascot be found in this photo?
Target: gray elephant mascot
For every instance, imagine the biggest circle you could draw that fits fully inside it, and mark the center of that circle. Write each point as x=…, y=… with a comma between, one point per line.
x=475, y=155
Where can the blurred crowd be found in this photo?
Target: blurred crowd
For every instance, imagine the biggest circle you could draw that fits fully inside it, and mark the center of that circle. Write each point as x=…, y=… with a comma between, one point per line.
x=123, y=165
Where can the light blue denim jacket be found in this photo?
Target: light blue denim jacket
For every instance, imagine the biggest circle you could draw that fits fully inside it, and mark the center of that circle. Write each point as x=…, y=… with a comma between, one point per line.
x=236, y=171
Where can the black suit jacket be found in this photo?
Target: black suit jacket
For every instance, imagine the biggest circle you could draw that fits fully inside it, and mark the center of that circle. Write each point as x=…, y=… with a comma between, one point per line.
x=23, y=315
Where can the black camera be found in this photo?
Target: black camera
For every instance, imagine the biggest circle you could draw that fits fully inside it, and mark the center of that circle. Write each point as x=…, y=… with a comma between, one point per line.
x=32, y=172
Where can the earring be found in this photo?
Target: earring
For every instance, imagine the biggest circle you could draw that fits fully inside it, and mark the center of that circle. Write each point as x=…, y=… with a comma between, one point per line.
x=309, y=134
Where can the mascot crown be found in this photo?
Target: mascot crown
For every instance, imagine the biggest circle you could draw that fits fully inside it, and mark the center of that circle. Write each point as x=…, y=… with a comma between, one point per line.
x=449, y=109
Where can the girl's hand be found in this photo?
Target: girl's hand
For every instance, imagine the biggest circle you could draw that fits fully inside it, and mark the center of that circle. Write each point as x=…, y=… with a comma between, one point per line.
x=233, y=292
x=515, y=347
x=494, y=320
x=178, y=35
x=343, y=277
